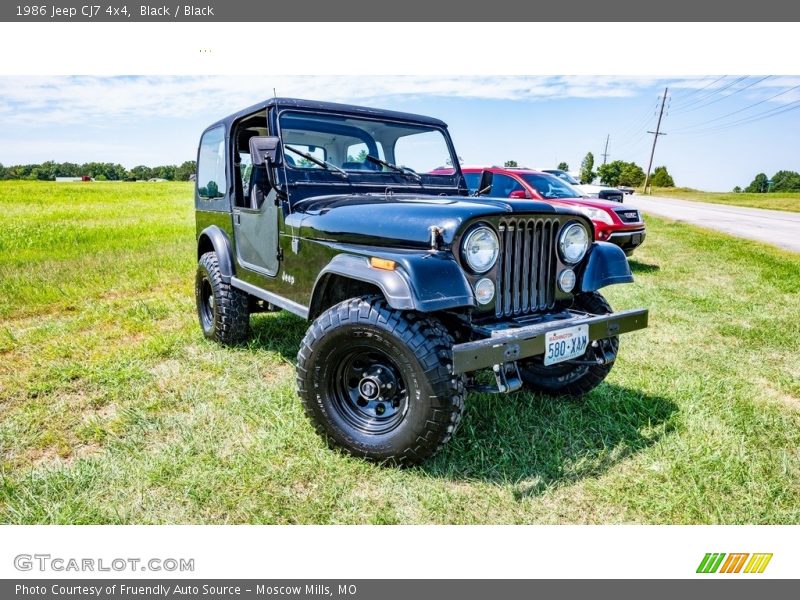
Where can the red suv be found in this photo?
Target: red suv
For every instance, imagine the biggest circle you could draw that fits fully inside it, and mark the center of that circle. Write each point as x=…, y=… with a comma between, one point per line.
x=612, y=222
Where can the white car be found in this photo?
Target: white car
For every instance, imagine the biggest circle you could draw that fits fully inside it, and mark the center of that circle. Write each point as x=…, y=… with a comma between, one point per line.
x=587, y=189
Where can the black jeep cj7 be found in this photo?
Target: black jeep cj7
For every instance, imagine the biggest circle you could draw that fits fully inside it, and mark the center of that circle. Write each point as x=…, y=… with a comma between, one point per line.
x=412, y=286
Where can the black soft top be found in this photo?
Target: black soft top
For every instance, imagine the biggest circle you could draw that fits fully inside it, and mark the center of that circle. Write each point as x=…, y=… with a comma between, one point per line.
x=316, y=105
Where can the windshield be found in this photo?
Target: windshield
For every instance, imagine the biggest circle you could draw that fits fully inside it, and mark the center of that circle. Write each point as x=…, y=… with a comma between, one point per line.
x=563, y=175
x=549, y=187
x=362, y=145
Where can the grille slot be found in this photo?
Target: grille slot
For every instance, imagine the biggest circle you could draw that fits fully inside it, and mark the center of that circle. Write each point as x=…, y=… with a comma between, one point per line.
x=628, y=215
x=527, y=266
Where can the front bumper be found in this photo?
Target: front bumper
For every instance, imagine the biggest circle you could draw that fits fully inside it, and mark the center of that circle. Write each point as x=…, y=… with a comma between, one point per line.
x=628, y=240
x=512, y=344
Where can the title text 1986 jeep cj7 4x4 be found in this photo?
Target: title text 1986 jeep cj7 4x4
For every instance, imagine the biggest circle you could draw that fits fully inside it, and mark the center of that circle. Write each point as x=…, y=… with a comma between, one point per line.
x=413, y=287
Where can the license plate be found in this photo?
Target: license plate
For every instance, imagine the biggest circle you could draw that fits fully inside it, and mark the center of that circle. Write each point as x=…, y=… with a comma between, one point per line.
x=565, y=344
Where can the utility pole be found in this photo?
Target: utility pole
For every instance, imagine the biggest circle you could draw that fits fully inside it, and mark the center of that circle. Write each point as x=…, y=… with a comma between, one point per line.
x=605, y=152
x=655, y=133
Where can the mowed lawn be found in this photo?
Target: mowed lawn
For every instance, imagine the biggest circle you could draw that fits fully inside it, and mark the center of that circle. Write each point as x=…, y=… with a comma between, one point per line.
x=114, y=409
x=772, y=201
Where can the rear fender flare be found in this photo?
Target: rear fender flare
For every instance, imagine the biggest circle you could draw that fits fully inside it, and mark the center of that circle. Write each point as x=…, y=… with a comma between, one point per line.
x=213, y=238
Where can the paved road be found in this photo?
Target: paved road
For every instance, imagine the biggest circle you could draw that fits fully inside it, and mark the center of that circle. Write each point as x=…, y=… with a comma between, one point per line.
x=771, y=226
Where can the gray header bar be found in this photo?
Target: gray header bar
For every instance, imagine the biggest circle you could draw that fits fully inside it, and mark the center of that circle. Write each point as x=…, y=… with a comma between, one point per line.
x=404, y=11
x=370, y=589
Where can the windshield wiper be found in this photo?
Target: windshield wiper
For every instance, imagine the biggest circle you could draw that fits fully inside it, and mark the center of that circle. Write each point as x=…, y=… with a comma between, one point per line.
x=388, y=165
x=317, y=161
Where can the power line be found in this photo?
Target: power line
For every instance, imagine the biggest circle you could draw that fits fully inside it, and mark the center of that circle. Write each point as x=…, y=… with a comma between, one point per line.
x=767, y=114
x=733, y=93
x=711, y=94
x=635, y=127
x=696, y=125
x=695, y=91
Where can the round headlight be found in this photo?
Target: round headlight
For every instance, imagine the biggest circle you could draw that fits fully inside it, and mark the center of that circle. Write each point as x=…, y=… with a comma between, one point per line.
x=573, y=243
x=484, y=291
x=480, y=249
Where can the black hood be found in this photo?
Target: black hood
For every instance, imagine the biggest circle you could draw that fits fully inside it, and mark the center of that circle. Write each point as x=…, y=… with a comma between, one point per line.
x=401, y=219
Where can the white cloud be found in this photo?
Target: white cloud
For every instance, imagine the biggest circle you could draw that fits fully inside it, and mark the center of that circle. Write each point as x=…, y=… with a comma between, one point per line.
x=93, y=100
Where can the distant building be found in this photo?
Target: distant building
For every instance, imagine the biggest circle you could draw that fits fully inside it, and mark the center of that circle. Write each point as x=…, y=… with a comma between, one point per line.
x=73, y=179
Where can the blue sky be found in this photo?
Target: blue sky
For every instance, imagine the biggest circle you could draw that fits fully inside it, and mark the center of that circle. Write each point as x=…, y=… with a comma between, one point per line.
x=714, y=141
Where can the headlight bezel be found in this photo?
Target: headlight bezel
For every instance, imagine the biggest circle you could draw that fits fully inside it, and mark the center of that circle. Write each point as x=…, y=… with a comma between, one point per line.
x=466, y=240
x=567, y=260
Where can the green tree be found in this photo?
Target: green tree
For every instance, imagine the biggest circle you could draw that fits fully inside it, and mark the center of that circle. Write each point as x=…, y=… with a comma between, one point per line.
x=165, y=172
x=186, y=169
x=562, y=166
x=758, y=185
x=587, y=168
x=631, y=174
x=662, y=178
x=785, y=181
x=141, y=172
x=737, y=190
x=609, y=173
x=510, y=164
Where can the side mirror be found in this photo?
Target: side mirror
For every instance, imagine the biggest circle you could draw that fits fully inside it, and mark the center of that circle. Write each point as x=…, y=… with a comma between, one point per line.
x=264, y=150
x=264, y=154
x=519, y=195
x=485, y=186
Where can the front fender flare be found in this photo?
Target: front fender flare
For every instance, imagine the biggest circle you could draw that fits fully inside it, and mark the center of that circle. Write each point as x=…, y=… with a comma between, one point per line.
x=422, y=282
x=606, y=265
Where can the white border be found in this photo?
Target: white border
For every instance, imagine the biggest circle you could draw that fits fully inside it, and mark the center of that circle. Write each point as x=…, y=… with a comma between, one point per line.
x=467, y=552
x=405, y=48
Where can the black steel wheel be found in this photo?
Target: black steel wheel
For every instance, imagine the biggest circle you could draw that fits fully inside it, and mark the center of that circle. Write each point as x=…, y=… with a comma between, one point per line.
x=368, y=388
x=569, y=378
x=222, y=309
x=377, y=382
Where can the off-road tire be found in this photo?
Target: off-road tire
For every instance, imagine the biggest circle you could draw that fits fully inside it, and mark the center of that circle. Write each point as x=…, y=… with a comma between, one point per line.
x=420, y=349
x=226, y=319
x=571, y=380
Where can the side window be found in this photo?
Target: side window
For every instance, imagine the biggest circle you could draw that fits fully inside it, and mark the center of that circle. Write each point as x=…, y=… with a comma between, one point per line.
x=473, y=181
x=211, y=182
x=503, y=185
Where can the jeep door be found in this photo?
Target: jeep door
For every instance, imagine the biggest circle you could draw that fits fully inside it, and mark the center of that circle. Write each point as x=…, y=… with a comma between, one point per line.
x=255, y=213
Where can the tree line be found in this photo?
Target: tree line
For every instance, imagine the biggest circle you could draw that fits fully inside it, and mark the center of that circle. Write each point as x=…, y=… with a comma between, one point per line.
x=782, y=181
x=620, y=172
x=49, y=170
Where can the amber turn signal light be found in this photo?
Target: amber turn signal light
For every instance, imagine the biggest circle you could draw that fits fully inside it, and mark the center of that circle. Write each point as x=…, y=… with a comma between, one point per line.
x=383, y=263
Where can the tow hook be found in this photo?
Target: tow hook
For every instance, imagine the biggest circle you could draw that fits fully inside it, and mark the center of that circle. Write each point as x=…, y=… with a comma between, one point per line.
x=507, y=377
x=603, y=354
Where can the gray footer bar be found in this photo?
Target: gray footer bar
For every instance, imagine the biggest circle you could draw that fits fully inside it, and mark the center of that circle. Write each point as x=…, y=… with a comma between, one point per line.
x=729, y=587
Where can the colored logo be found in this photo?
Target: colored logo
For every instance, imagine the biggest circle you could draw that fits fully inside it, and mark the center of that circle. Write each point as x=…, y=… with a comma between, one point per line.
x=719, y=562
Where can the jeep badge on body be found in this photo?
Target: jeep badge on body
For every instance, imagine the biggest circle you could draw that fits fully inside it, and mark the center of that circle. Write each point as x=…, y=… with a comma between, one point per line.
x=344, y=216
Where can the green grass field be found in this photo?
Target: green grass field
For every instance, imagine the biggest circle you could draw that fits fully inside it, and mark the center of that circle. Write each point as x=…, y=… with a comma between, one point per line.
x=773, y=201
x=114, y=409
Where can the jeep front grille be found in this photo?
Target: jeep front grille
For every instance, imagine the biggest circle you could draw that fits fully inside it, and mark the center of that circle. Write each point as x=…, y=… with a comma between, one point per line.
x=526, y=268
